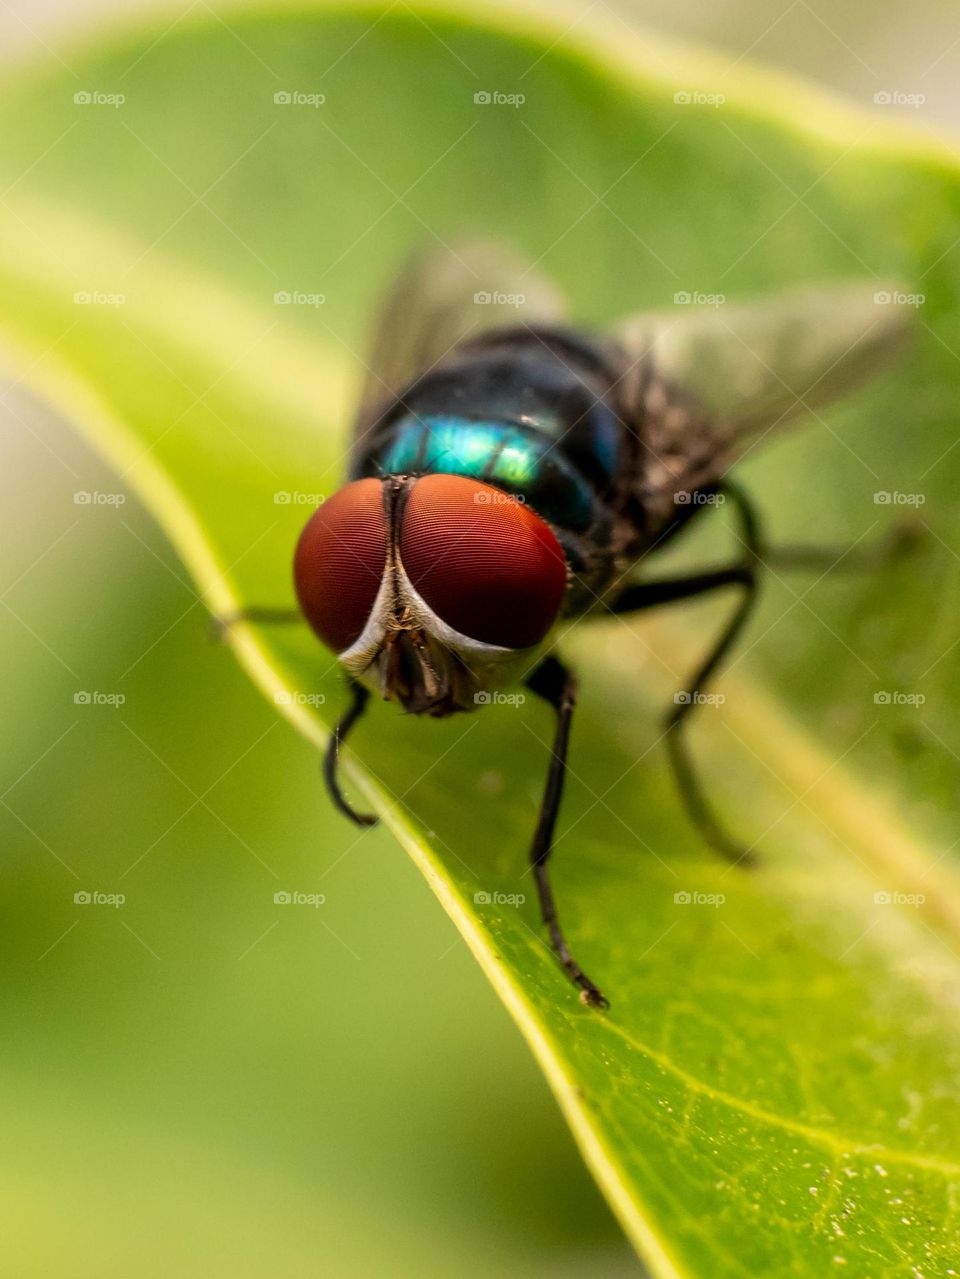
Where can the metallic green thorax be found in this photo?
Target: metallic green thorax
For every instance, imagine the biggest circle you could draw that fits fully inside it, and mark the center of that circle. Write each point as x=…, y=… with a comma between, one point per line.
x=520, y=458
x=528, y=411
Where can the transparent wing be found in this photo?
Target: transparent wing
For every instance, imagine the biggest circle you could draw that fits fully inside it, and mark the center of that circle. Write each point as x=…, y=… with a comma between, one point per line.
x=444, y=296
x=744, y=371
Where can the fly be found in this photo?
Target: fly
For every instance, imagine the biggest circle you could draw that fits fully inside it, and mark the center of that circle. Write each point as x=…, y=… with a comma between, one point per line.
x=506, y=478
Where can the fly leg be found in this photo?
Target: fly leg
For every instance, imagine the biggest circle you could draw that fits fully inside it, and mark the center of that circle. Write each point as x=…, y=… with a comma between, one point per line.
x=556, y=685
x=222, y=626
x=358, y=704
x=900, y=539
x=650, y=594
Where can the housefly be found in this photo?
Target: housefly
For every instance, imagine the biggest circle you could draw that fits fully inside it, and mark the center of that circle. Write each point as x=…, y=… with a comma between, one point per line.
x=508, y=475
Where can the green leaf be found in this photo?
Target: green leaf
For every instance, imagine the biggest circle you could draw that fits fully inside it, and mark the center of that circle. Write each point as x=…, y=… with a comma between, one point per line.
x=773, y=1089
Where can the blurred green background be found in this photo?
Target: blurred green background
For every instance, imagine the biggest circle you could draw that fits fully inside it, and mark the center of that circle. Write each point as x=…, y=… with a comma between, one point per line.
x=201, y=1081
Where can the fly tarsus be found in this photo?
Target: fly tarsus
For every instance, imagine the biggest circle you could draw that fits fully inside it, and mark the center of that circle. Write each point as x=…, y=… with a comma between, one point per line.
x=331, y=759
x=644, y=595
x=590, y=994
x=557, y=686
x=694, y=801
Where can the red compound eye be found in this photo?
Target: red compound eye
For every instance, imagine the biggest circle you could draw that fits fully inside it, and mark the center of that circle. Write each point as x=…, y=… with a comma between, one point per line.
x=339, y=562
x=486, y=564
